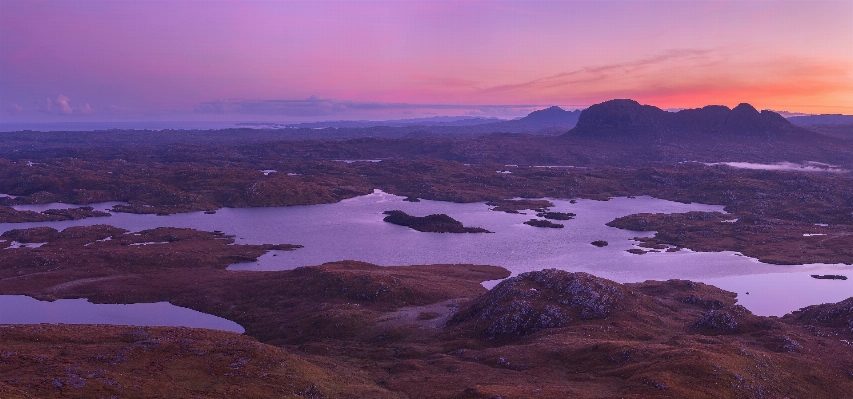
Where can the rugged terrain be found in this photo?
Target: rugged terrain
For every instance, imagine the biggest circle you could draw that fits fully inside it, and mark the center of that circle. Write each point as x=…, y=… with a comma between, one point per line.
x=769, y=240
x=187, y=268
x=352, y=329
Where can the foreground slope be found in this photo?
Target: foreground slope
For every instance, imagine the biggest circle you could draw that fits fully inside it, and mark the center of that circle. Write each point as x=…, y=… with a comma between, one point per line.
x=80, y=361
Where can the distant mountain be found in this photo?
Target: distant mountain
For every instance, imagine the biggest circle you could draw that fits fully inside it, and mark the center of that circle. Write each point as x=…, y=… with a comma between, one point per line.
x=629, y=120
x=825, y=119
x=431, y=121
x=551, y=116
x=550, y=121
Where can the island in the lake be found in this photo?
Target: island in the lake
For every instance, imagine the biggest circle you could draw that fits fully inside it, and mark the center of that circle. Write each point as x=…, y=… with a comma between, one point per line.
x=829, y=276
x=543, y=223
x=556, y=215
x=439, y=223
x=11, y=215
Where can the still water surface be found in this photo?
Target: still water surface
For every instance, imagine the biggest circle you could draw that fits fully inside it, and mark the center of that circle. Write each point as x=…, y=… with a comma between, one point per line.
x=19, y=309
x=353, y=229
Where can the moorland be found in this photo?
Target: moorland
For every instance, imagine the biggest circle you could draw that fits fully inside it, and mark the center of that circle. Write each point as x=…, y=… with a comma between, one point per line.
x=352, y=329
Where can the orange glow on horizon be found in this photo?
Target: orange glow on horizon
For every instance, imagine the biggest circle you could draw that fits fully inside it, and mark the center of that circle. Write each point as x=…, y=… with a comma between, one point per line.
x=148, y=60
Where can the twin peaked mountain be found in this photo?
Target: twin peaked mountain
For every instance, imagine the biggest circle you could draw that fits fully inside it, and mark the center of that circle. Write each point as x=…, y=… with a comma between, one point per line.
x=621, y=120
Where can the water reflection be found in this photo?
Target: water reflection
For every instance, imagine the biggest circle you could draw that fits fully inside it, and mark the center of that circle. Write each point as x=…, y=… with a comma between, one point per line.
x=774, y=294
x=353, y=229
x=809, y=166
x=19, y=309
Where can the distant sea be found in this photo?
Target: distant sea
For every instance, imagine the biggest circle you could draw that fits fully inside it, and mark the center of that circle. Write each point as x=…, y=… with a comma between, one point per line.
x=208, y=125
x=93, y=126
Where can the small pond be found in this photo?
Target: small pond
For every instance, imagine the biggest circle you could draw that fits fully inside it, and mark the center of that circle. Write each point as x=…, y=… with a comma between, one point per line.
x=19, y=309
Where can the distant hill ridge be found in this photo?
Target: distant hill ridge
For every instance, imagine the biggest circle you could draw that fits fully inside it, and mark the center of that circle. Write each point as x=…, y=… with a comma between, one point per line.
x=452, y=121
x=625, y=119
x=535, y=121
x=824, y=119
x=554, y=115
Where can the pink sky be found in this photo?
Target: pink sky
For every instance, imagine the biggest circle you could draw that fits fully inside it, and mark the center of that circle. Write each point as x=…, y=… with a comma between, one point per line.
x=296, y=61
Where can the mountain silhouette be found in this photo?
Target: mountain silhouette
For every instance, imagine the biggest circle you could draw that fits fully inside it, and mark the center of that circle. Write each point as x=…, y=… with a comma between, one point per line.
x=552, y=116
x=629, y=120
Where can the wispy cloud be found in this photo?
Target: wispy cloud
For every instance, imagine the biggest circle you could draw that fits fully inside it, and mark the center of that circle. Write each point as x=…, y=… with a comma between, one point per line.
x=600, y=73
x=768, y=84
x=695, y=77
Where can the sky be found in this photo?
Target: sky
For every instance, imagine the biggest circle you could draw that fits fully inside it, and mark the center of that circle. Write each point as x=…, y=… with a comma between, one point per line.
x=295, y=61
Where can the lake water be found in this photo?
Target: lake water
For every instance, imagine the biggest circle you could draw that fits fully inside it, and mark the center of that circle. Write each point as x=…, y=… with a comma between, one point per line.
x=354, y=229
x=809, y=166
x=19, y=309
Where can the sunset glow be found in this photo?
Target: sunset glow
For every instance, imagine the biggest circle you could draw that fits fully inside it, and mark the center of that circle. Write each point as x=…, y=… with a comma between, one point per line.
x=299, y=61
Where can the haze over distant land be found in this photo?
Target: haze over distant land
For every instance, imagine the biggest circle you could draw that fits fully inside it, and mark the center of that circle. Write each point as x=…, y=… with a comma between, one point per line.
x=834, y=119
x=550, y=121
x=295, y=62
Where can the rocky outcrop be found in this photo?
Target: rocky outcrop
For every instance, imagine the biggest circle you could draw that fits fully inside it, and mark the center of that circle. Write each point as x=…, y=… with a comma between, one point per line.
x=836, y=315
x=723, y=320
x=438, y=223
x=534, y=301
x=707, y=303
